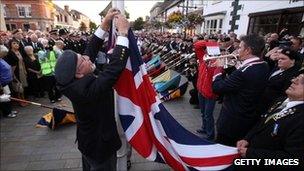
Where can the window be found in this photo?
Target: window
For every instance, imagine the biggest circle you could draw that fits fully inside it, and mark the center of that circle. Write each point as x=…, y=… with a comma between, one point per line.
x=221, y=23
x=57, y=17
x=267, y=23
x=65, y=19
x=24, y=10
x=213, y=25
x=8, y=27
x=26, y=27
x=13, y=26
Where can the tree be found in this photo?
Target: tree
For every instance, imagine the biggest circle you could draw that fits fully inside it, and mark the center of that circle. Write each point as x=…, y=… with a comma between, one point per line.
x=127, y=15
x=93, y=26
x=175, y=17
x=139, y=23
x=82, y=27
x=194, y=19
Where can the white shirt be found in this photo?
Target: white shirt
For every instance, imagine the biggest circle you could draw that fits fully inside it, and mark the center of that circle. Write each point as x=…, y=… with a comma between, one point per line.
x=123, y=41
x=276, y=72
x=247, y=61
x=291, y=104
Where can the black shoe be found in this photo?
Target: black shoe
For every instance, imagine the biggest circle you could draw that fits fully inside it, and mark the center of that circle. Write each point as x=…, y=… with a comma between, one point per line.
x=59, y=100
x=52, y=101
x=129, y=164
x=201, y=131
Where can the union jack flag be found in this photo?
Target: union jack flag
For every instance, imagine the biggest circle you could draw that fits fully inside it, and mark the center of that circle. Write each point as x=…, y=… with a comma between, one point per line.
x=153, y=132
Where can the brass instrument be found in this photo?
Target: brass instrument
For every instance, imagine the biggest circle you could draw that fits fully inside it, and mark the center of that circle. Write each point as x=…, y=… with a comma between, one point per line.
x=229, y=60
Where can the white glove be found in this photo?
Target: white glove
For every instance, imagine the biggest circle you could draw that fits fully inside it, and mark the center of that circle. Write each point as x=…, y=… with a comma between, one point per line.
x=5, y=98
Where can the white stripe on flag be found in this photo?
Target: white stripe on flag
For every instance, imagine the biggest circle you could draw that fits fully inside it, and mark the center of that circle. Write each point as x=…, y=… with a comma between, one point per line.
x=138, y=78
x=160, y=133
x=220, y=167
x=203, y=151
x=126, y=107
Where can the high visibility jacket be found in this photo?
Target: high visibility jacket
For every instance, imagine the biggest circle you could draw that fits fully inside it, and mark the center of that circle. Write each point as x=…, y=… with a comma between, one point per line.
x=48, y=63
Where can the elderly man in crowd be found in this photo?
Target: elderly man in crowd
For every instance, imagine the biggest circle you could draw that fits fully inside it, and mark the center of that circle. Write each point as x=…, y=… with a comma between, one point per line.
x=280, y=132
x=92, y=95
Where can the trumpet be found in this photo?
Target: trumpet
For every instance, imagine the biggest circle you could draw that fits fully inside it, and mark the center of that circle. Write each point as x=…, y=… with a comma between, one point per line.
x=229, y=60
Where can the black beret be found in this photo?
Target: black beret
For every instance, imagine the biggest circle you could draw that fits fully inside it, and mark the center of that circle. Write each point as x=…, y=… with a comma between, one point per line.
x=226, y=39
x=65, y=68
x=290, y=53
x=63, y=32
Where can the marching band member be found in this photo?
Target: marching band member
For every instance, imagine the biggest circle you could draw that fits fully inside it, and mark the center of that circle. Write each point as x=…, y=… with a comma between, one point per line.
x=242, y=90
x=206, y=96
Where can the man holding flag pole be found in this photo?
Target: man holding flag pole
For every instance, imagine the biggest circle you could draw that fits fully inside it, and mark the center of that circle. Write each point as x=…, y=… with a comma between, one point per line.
x=148, y=126
x=92, y=95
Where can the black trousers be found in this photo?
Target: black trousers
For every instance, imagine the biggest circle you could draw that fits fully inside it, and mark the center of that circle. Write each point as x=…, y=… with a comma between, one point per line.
x=35, y=86
x=89, y=164
x=6, y=108
x=49, y=83
x=224, y=139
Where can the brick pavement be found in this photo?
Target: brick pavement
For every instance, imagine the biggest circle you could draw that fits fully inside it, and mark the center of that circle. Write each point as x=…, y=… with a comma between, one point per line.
x=24, y=147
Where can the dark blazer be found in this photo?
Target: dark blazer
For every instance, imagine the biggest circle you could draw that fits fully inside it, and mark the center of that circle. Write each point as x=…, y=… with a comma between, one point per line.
x=288, y=143
x=275, y=88
x=36, y=47
x=12, y=59
x=242, y=90
x=93, y=103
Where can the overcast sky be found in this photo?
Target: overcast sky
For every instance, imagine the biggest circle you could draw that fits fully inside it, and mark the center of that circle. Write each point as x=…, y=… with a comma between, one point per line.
x=92, y=8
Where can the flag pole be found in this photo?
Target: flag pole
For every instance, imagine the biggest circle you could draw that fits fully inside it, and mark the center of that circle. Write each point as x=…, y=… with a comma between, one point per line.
x=29, y=102
x=37, y=104
x=122, y=153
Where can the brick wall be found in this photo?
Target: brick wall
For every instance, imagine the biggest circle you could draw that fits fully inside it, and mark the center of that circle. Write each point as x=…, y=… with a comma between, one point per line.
x=40, y=14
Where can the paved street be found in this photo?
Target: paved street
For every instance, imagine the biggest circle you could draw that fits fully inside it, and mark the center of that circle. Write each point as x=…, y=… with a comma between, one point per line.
x=24, y=147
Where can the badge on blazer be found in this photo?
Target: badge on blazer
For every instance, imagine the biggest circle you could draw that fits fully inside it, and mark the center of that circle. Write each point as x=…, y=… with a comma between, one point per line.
x=275, y=130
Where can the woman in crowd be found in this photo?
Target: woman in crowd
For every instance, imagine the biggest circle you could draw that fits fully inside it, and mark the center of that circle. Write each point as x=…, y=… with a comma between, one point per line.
x=34, y=73
x=15, y=59
x=280, y=77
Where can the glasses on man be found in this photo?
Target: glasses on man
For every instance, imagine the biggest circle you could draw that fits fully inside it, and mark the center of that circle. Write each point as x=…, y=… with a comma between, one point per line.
x=82, y=58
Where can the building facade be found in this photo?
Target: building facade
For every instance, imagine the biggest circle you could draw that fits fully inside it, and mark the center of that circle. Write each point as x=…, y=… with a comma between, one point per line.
x=28, y=14
x=63, y=18
x=2, y=21
x=261, y=17
x=161, y=11
x=79, y=18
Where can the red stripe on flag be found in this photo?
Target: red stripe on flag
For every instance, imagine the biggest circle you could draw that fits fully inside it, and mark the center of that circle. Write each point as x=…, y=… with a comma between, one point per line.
x=125, y=86
x=144, y=97
x=141, y=142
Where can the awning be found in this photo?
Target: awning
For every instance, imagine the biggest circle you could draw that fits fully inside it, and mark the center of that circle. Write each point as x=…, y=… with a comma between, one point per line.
x=215, y=14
